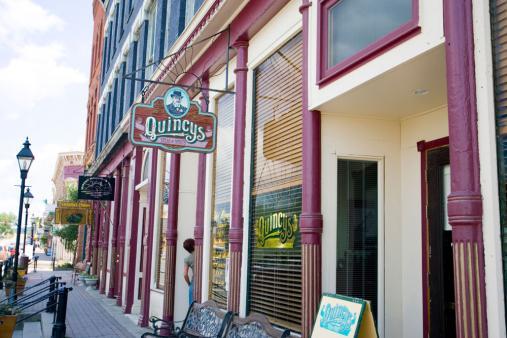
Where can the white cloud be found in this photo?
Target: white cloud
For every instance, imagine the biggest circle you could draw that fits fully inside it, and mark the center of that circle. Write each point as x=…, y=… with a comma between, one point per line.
x=24, y=17
x=34, y=74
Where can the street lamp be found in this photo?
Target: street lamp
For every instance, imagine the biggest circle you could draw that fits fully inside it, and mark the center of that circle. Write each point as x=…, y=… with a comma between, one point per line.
x=33, y=241
x=28, y=197
x=25, y=158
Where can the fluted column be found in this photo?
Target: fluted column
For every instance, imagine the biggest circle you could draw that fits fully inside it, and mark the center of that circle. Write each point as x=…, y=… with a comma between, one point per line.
x=199, y=213
x=236, y=228
x=465, y=199
x=113, y=282
x=148, y=243
x=122, y=228
x=95, y=237
x=171, y=237
x=106, y=218
x=311, y=217
x=131, y=266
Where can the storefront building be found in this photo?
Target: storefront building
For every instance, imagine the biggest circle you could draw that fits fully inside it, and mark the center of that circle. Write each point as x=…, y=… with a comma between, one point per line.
x=355, y=154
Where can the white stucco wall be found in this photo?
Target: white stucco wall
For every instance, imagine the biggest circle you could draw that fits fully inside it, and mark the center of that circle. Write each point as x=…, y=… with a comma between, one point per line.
x=431, y=35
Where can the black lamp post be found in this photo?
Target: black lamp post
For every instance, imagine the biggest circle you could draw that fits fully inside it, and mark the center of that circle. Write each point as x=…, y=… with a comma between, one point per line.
x=25, y=158
x=28, y=197
x=33, y=241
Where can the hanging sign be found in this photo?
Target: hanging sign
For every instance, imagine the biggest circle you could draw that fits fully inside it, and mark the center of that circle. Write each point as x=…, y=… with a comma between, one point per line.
x=95, y=188
x=344, y=317
x=173, y=123
x=69, y=212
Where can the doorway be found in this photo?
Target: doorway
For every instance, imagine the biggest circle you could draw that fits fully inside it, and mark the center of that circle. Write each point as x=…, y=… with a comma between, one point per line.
x=440, y=274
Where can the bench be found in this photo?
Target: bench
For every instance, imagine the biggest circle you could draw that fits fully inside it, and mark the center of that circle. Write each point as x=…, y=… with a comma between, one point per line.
x=254, y=326
x=202, y=320
x=209, y=321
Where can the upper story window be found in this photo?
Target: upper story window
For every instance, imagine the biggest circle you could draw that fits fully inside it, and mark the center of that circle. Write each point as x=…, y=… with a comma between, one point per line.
x=150, y=50
x=352, y=32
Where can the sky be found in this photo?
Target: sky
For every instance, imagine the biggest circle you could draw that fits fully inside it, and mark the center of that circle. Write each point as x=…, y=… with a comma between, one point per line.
x=45, y=52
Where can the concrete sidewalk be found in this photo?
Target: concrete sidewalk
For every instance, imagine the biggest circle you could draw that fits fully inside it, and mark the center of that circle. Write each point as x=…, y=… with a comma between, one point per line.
x=88, y=314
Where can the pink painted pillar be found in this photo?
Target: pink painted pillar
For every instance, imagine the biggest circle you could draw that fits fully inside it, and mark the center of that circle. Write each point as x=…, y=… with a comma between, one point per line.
x=171, y=237
x=122, y=228
x=106, y=210
x=311, y=217
x=199, y=213
x=113, y=281
x=465, y=199
x=236, y=228
x=95, y=238
x=131, y=266
x=148, y=242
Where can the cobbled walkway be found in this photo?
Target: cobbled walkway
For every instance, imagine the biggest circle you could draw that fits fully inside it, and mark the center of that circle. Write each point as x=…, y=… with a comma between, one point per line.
x=88, y=316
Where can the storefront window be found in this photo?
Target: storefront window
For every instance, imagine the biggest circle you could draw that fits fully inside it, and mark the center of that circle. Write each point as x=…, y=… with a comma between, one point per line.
x=357, y=240
x=164, y=210
x=221, y=213
x=352, y=31
x=274, y=286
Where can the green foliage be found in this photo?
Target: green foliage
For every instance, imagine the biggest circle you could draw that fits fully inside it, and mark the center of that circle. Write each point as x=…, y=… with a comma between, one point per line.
x=8, y=310
x=72, y=192
x=43, y=240
x=64, y=266
x=68, y=233
x=6, y=220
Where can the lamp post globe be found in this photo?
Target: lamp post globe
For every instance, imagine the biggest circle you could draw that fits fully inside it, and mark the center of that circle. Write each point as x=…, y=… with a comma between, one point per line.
x=25, y=159
x=28, y=196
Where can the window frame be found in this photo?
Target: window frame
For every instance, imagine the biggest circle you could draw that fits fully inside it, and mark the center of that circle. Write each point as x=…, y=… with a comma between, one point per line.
x=381, y=233
x=325, y=74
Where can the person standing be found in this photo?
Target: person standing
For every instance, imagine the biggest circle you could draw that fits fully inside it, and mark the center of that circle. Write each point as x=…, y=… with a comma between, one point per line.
x=188, y=245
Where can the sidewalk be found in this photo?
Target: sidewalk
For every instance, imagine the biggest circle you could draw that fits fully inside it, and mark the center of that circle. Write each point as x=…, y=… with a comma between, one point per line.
x=88, y=315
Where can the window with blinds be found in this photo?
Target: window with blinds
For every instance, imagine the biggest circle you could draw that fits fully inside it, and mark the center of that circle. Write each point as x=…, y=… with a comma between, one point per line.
x=164, y=209
x=357, y=240
x=498, y=10
x=274, y=286
x=221, y=213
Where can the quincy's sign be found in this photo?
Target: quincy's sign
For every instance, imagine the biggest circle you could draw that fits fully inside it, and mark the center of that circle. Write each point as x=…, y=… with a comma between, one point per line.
x=277, y=230
x=173, y=123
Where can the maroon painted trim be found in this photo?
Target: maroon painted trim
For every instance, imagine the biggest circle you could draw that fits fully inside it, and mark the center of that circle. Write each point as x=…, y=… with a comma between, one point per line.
x=122, y=228
x=118, y=156
x=132, y=266
x=148, y=242
x=173, y=201
x=382, y=45
x=201, y=180
x=236, y=227
x=423, y=147
x=113, y=279
x=249, y=21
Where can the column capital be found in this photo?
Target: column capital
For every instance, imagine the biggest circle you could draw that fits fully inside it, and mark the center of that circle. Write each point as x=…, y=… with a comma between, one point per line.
x=304, y=6
x=240, y=44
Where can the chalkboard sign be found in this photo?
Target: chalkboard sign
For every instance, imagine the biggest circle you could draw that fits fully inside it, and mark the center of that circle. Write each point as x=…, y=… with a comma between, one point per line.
x=96, y=188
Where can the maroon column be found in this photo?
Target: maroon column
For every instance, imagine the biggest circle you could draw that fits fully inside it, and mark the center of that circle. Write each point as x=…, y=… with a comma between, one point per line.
x=199, y=213
x=95, y=238
x=311, y=217
x=236, y=228
x=89, y=236
x=465, y=199
x=148, y=242
x=122, y=227
x=131, y=266
x=113, y=281
x=106, y=210
x=171, y=237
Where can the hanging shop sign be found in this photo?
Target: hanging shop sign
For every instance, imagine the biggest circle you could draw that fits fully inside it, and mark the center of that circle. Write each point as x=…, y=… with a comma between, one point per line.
x=95, y=188
x=173, y=123
x=68, y=212
x=344, y=317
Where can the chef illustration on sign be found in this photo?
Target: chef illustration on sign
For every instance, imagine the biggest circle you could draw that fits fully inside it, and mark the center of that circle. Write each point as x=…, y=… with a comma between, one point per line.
x=176, y=102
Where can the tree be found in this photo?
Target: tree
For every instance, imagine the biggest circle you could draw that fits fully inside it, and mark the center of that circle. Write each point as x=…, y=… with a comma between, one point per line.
x=68, y=234
x=6, y=222
x=72, y=192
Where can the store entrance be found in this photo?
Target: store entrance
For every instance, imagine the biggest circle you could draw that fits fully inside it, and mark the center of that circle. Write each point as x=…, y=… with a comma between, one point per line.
x=442, y=317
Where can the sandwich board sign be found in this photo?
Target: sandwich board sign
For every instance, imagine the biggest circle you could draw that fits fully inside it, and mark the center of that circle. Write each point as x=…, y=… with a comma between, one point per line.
x=344, y=317
x=173, y=123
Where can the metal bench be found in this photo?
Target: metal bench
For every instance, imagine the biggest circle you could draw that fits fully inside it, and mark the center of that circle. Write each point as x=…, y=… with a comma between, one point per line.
x=202, y=320
x=254, y=326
